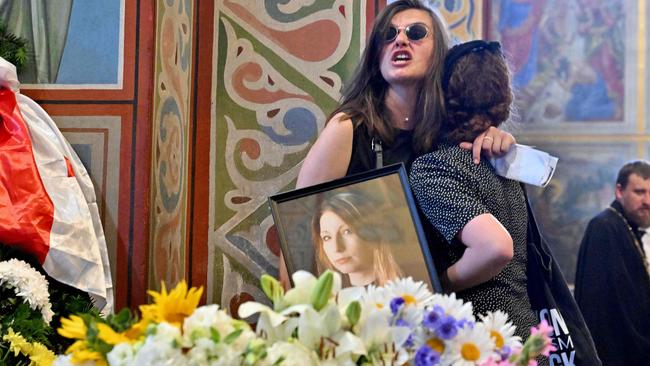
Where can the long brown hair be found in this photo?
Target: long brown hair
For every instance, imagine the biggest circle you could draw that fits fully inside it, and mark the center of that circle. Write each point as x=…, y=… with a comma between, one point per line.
x=363, y=96
x=477, y=88
x=360, y=212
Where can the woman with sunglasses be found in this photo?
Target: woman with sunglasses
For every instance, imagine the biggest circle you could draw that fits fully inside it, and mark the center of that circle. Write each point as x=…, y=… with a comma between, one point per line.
x=391, y=109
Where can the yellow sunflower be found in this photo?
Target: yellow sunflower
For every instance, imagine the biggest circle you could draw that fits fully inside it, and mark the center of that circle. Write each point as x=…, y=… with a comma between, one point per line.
x=110, y=336
x=81, y=353
x=172, y=307
x=73, y=328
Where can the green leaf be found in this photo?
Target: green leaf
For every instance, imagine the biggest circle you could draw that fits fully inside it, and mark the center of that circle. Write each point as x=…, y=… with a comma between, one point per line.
x=215, y=335
x=272, y=288
x=322, y=291
x=353, y=312
x=232, y=336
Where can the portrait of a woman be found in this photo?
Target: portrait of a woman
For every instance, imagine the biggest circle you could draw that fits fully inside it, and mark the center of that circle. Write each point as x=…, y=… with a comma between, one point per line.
x=353, y=236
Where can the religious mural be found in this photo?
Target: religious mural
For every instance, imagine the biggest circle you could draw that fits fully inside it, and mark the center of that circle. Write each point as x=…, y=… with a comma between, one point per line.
x=569, y=60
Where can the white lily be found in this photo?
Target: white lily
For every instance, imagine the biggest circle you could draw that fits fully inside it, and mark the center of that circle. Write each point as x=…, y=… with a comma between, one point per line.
x=304, y=284
x=383, y=340
x=273, y=325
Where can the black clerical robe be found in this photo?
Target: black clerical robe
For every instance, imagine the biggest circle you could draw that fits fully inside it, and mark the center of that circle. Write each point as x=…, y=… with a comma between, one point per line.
x=612, y=288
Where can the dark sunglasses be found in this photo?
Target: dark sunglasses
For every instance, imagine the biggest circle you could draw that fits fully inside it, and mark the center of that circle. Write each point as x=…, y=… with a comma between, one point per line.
x=414, y=32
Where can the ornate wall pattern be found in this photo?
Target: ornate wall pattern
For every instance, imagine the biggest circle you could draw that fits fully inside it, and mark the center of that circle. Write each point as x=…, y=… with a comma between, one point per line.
x=278, y=70
x=171, y=105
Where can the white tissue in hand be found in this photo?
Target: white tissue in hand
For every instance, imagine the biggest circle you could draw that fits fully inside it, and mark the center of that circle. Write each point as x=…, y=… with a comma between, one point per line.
x=525, y=164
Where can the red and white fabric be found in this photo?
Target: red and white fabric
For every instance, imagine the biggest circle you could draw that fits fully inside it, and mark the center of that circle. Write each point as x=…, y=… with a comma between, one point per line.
x=48, y=205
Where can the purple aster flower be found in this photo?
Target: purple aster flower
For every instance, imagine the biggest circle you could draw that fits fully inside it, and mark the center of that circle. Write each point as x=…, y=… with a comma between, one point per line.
x=505, y=352
x=402, y=323
x=395, y=304
x=433, y=317
x=447, y=327
x=426, y=356
x=465, y=323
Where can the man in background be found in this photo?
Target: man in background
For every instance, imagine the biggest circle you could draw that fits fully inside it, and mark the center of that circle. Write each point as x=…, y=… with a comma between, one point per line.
x=612, y=285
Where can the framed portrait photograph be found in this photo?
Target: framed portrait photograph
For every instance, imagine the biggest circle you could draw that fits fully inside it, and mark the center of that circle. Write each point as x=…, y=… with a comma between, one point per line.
x=365, y=227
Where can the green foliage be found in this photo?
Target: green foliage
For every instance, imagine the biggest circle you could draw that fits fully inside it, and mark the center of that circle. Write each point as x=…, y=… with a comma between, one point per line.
x=66, y=301
x=19, y=315
x=12, y=48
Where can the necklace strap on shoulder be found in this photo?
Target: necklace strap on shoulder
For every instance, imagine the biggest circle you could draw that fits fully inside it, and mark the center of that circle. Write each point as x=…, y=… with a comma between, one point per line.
x=375, y=145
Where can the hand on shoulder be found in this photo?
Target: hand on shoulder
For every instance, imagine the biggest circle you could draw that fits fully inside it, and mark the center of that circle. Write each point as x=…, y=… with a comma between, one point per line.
x=492, y=142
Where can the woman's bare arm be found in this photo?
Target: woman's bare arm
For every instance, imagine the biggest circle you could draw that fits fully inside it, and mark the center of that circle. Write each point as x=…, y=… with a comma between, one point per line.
x=489, y=250
x=330, y=155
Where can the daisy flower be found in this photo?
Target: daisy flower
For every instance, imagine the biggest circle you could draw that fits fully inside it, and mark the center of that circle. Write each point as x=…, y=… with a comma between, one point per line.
x=375, y=298
x=440, y=346
x=461, y=311
x=471, y=346
x=413, y=293
x=502, y=331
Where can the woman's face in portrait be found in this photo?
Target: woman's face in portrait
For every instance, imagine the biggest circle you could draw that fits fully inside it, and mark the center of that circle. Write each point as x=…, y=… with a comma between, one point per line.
x=346, y=251
x=405, y=61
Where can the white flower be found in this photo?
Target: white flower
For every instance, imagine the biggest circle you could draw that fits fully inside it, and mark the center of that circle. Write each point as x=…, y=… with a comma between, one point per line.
x=455, y=307
x=63, y=360
x=414, y=293
x=207, y=318
x=27, y=284
x=472, y=346
x=161, y=347
x=304, y=283
x=501, y=330
x=441, y=346
x=66, y=360
x=206, y=352
x=292, y=354
x=375, y=298
x=382, y=340
x=121, y=355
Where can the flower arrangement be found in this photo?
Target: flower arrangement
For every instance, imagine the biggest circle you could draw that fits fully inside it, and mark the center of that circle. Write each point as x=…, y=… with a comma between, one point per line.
x=314, y=323
x=396, y=324
x=25, y=315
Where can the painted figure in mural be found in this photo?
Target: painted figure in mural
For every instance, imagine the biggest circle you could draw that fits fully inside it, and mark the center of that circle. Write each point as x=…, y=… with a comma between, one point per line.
x=579, y=76
x=482, y=216
x=352, y=236
x=612, y=285
x=393, y=105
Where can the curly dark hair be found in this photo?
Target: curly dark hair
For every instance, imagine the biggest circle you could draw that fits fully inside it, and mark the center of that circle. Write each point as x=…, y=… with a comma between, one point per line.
x=478, y=91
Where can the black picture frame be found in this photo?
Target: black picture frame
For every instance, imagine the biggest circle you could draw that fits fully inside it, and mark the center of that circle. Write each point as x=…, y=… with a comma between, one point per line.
x=382, y=212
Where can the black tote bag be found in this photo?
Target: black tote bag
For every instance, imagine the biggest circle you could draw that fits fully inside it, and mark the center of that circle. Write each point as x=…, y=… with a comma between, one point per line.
x=552, y=300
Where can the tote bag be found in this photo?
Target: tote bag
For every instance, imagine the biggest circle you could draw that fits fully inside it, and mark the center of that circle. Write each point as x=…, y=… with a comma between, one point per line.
x=552, y=300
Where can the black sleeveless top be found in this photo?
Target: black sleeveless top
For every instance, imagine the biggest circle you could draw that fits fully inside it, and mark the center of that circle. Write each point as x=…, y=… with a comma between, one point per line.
x=363, y=156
